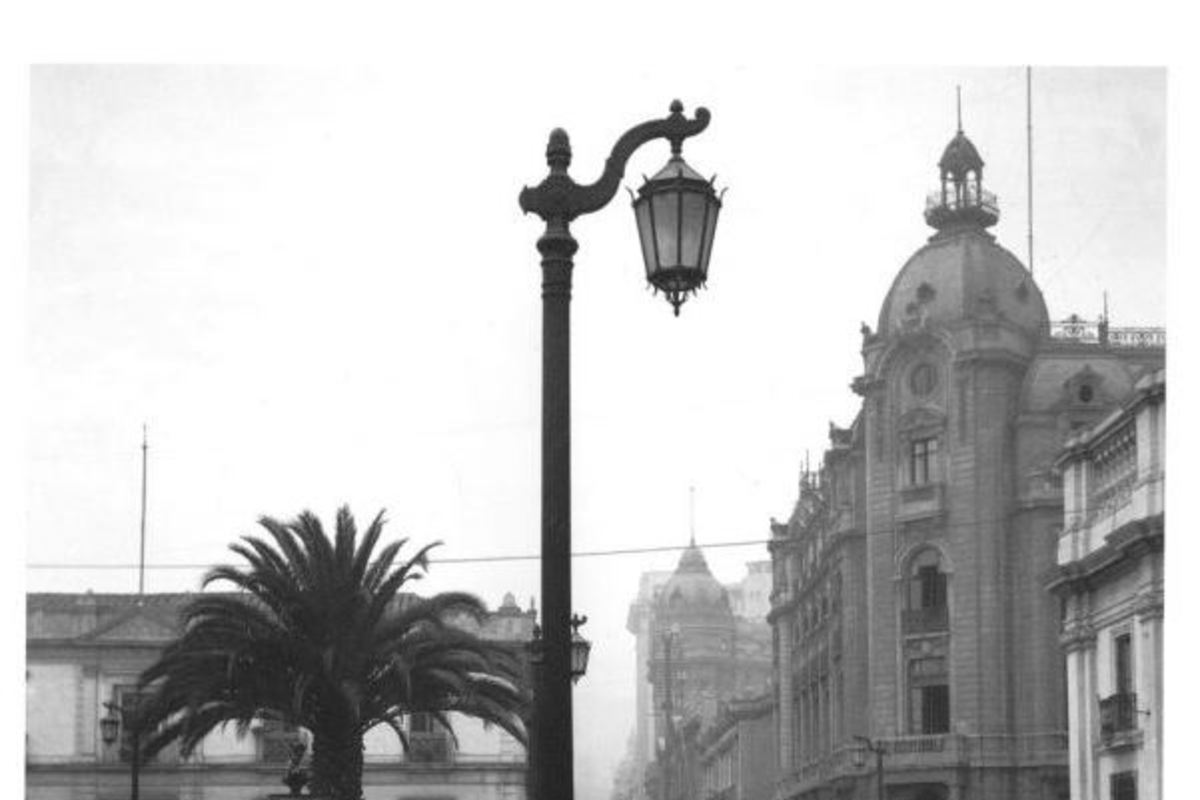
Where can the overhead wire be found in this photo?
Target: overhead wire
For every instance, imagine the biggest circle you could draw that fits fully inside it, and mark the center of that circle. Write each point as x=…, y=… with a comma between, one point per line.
x=42, y=565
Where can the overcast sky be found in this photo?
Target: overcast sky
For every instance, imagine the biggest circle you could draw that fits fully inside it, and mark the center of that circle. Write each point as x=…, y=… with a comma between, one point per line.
x=315, y=286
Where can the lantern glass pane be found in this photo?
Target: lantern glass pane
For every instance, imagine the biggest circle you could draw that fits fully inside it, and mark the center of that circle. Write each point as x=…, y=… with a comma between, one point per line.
x=693, y=228
x=646, y=234
x=709, y=229
x=666, y=228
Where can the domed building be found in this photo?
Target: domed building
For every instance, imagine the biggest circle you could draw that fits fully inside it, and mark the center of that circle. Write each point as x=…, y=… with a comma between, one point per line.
x=909, y=606
x=694, y=621
x=695, y=654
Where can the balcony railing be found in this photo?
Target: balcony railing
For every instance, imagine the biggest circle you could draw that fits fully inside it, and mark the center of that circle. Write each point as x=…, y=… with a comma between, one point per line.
x=1118, y=714
x=925, y=620
x=971, y=199
x=927, y=751
x=1082, y=331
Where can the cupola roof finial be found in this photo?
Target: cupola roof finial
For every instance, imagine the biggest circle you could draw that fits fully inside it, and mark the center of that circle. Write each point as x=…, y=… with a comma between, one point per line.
x=958, y=94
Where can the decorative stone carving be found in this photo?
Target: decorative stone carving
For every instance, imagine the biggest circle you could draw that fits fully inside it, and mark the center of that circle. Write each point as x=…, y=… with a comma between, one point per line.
x=1077, y=635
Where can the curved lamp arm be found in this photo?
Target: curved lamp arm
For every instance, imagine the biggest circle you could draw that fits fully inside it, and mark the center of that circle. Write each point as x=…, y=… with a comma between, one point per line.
x=559, y=197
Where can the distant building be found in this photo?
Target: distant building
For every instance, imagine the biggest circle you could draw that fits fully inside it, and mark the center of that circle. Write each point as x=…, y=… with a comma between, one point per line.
x=737, y=751
x=85, y=650
x=694, y=654
x=750, y=599
x=640, y=623
x=909, y=604
x=1110, y=580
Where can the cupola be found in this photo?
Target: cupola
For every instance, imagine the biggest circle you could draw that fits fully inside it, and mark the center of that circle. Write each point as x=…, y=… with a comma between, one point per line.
x=961, y=199
x=692, y=588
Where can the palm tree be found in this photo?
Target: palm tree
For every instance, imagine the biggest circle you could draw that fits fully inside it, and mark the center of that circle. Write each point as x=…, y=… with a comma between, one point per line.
x=321, y=637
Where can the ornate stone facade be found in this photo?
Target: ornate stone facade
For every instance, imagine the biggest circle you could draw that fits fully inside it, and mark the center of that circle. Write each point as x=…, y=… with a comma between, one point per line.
x=1110, y=581
x=908, y=604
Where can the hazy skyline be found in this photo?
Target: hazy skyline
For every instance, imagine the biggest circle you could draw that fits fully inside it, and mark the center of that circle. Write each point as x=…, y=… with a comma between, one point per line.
x=315, y=286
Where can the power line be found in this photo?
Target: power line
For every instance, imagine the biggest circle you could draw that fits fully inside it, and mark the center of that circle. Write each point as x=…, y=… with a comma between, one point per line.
x=460, y=560
x=520, y=557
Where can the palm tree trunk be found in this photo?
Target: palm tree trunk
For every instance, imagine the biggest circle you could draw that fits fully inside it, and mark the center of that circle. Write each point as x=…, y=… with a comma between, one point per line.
x=337, y=765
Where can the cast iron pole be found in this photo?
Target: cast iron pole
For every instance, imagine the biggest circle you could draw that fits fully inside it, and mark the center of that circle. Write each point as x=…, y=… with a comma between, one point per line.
x=558, y=200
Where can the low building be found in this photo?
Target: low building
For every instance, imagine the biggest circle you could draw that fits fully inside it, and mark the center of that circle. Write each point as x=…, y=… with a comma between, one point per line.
x=737, y=751
x=1110, y=581
x=84, y=651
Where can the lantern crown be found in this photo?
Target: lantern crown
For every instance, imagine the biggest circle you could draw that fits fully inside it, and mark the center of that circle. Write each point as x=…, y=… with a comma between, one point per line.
x=960, y=200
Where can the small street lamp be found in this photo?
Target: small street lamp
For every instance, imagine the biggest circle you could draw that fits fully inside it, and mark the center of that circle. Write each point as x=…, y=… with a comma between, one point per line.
x=676, y=213
x=860, y=760
x=110, y=729
x=581, y=648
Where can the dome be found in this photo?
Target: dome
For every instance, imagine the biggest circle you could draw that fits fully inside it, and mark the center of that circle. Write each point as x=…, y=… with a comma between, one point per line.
x=962, y=274
x=960, y=156
x=693, y=587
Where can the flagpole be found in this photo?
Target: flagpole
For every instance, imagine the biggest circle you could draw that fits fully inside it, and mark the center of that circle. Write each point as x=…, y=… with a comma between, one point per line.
x=142, y=546
x=1029, y=155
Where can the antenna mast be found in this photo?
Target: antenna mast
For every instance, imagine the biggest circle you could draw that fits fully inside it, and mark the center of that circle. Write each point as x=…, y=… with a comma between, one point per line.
x=1029, y=155
x=142, y=547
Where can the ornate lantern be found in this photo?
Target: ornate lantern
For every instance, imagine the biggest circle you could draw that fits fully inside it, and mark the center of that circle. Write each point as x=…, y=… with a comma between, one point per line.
x=858, y=754
x=110, y=725
x=581, y=648
x=676, y=213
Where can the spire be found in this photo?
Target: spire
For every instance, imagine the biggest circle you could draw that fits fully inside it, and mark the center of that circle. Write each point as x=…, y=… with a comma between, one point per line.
x=958, y=95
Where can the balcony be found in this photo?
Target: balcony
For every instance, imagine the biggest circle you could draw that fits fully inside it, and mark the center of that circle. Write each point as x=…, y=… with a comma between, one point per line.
x=1118, y=719
x=933, y=619
x=921, y=752
x=921, y=501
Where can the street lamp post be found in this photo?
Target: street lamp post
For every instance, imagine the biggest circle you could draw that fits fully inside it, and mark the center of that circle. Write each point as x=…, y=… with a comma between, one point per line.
x=860, y=759
x=676, y=243
x=581, y=648
x=110, y=728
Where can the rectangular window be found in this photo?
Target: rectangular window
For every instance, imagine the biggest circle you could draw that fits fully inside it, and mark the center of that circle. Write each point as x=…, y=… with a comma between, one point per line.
x=936, y=711
x=930, y=709
x=921, y=458
x=1122, y=786
x=932, y=582
x=1123, y=663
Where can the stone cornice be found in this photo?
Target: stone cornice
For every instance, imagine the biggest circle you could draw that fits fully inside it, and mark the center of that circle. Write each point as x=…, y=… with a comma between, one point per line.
x=1149, y=605
x=1120, y=551
x=1001, y=356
